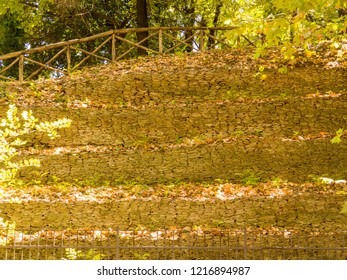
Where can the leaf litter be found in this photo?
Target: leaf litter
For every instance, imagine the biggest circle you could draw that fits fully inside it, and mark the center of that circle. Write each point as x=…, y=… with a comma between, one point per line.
x=70, y=192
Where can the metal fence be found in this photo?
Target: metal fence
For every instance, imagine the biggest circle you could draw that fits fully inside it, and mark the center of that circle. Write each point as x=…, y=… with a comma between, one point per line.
x=172, y=244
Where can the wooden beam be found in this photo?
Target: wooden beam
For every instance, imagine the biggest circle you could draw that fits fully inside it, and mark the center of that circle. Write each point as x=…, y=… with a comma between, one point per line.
x=48, y=62
x=108, y=33
x=21, y=68
x=114, y=50
x=137, y=44
x=128, y=51
x=181, y=42
x=23, y=55
x=68, y=59
x=44, y=65
x=218, y=40
x=201, y=41
x=7, y=78
x=91, y=53
x=9, y=66
x=56, y=45
x=160, y=41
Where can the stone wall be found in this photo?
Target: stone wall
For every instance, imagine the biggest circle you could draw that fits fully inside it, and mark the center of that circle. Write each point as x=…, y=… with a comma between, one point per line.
x=184, y=81
x=215, y=119
x=294, y=161
x=197, y=118
x=310, y=211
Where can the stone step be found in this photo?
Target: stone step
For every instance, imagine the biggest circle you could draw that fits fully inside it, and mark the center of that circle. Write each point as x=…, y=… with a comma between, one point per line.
x=267, y=157
x=309, y=211
x=199, y=121
x=193, y=118
x=225, y=80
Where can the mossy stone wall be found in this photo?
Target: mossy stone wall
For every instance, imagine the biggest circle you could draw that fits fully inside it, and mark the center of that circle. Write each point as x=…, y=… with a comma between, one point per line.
x=193, y=119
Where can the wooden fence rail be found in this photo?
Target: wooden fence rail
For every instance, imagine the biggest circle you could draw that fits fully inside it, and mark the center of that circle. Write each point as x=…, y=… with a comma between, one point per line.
x=64, y=57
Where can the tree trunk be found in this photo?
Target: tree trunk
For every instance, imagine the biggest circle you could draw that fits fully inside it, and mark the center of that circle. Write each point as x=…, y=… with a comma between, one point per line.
x=142, y=21
x=190, y=13
x=211, y=41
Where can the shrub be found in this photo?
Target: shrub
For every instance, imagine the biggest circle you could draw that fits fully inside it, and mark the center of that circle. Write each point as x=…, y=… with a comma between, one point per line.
x=6, y=228
x=337, y=140
x=73, y=254
x=13, y=130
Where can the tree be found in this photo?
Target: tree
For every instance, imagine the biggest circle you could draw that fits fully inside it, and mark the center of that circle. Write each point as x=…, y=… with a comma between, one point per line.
x=265, y=23
x=215, y=22
x=142, y=22
x=27, y=17
x=12, y=38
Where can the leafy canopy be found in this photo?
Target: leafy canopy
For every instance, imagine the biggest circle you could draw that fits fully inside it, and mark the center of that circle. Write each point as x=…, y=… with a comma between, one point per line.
x=264, y=22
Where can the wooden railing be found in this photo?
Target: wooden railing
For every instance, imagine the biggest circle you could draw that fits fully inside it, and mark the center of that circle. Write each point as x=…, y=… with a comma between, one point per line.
x=55, y=60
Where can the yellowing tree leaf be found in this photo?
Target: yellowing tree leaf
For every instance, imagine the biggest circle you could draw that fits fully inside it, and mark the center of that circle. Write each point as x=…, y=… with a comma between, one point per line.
x=344, y=209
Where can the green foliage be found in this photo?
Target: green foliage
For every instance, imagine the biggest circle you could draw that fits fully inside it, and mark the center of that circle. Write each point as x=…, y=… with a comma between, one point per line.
x=18, y=22
x=13, y=130
x=232, y=95
x=337, y=138
x=249, y=177
x=144, y=256
x=287, y=25
x=269, y=23
x=260, y=74
x=317, y=180
x=277, y=182
x=6, y=228
x=73, y=254
x=344, y=209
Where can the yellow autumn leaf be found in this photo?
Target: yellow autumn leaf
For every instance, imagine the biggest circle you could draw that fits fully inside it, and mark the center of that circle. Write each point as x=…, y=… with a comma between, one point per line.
x=344, y=209
x=308, y=53
x=263, y=77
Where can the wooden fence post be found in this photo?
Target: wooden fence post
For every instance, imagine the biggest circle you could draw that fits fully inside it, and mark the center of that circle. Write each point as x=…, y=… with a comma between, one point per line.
x=201, y=42
x=117, y=244
x=160, y=41
x=68, y=58
x=21, y=68
x=114, y=41
x=245, y=243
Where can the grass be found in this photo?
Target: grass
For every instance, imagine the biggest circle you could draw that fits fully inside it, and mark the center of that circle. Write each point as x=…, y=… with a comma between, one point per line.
x=249, y=177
